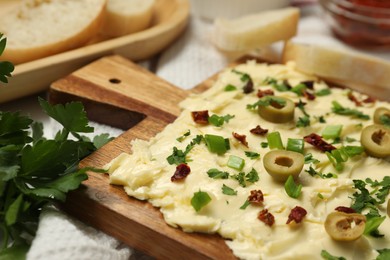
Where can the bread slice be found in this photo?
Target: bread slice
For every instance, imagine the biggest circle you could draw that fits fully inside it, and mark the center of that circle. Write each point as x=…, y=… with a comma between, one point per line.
x=39, y=28
x=127, y=16
x=257, y=30
x=364, y=73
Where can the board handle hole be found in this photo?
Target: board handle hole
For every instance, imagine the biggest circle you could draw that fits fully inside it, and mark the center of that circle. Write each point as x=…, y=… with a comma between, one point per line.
x=114, y=81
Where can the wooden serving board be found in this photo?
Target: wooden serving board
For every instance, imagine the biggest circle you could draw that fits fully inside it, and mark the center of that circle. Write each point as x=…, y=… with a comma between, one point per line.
x=117, y=92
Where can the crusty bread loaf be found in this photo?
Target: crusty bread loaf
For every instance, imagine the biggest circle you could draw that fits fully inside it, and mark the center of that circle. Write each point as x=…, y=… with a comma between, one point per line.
x=39, y=28
x=127, y=16
x=364, y=73
x=257, y=30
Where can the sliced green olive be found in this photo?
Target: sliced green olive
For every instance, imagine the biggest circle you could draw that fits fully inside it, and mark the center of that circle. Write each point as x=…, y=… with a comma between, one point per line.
x=376, y=140
x=379, y=112
x=345, y=226
x=280, y=164
x=277, y=112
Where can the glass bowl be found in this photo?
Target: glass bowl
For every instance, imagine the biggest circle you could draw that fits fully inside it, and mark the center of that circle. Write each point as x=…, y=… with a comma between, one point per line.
x=362, y=23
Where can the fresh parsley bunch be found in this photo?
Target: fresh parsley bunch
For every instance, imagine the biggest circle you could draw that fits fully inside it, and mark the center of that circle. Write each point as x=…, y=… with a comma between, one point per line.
x=35, y=171
x=6, y=67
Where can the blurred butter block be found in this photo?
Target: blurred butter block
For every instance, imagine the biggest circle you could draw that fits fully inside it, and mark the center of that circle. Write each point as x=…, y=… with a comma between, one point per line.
x=256, y=30
x=211, y=9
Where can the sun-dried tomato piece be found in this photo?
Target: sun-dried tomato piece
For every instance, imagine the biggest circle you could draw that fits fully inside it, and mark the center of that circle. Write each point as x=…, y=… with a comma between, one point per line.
x=344, y=209
x=248, y=88
x=258, y=130
x=296, y=214
x=318, y=142
x=309, y=95
x=256, y=197
x=369, y=100
x=182, y=170
x=308, y=83
x=263, y=93
x=200, y=117
x=354, y=99
x=240, y=138
x=266, y=217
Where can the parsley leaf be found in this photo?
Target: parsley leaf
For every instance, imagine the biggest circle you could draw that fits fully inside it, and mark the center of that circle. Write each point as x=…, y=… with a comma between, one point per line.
x=384, y=254
x=252, y=176
x=228, y=191
x=310, y=159
x=245, y=205
x=327, y=256
x=6, y=67
x=219, y=120
x=178, y=156
x=252, y=155
x=340, y=110
x=217, y=174
x=303, y=121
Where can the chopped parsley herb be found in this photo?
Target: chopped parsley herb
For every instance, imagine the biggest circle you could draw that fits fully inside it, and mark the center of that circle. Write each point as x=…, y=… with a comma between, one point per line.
x=228, y=191
x=240, y=177
x=292, y=189
x=245, y=205
x=244, y=76
x=299, y=89
x=340, y=110
x=252, y=176
x=303, y=121
x=320, y=119
x=301, y=106
x=323, y=92
x=282, y=87
x=384, y=254
x=181, y=138
x=178, y=156
x=6, y=67
x=230, y=87
x=266, y=101
x=319, y=195
x=350, y=139
x=264, y=144
x=219, y=120
x=313, y=173
x=217, y=174
x=252, y=155
x=200, y=199
x=325, y=255
x=365, y=200
x=385, y=120
x=310, y=159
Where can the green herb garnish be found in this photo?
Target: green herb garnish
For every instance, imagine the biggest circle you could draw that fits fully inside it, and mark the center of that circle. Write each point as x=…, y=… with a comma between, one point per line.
x=219, y=120
x=323, y=92
x=292, y=189
x=217, y=174
x=230, y=87
x=385, y=120
x=325, y=255
x=252, y=155
x=228, y=191
x=303, y=121
x=178, y=156
x=200, y=199
x=181, y=138
x=6, y=67
x=340, y=110
x=310, y=159
x=245, y=205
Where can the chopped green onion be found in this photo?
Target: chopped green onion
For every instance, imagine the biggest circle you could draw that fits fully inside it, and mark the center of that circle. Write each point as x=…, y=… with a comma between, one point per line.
x=292, y=189
x=275, y=141
x=236, y=162
x=230, y=87
x=332, y=131
x=200, y=199
x=216, y=144
x=295, y=145
x=372, y=225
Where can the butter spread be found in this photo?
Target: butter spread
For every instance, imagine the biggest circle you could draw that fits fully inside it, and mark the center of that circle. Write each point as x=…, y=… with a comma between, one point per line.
x=146, y=173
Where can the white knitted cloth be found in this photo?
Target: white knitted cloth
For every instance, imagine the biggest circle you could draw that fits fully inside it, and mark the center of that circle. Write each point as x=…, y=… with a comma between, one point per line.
x=188, y=62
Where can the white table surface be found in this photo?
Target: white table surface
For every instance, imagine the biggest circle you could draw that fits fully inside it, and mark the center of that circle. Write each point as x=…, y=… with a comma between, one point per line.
x=190, y=60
